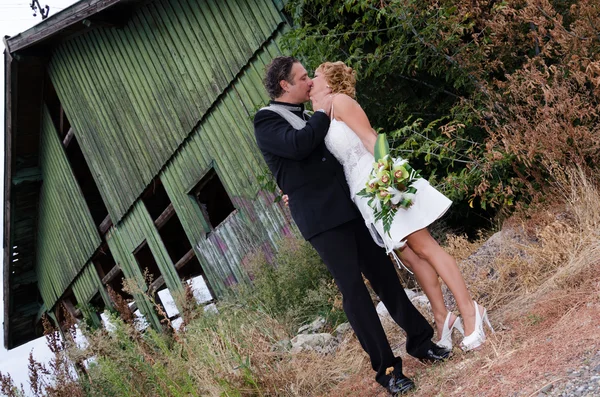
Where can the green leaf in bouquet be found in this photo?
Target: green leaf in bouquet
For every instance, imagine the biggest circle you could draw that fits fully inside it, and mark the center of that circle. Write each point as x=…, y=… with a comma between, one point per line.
x=382, y=147
x=388, y=218
x=363, y=193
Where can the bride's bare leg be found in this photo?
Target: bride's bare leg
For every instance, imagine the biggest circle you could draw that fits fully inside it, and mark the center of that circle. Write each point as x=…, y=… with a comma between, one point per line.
x=430, y=283
x=426, y=248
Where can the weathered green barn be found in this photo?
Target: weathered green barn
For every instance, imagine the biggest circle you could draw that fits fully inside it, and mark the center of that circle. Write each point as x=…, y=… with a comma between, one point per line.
x=129, y=146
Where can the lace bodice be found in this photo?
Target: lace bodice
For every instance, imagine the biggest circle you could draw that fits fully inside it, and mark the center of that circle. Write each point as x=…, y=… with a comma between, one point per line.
x=349, y=150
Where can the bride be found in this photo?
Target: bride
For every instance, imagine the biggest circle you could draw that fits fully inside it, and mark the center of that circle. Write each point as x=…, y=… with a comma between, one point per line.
x=351, y=140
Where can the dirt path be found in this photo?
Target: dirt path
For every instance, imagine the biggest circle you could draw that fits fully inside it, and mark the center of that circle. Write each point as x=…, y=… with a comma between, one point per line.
x=535, y=350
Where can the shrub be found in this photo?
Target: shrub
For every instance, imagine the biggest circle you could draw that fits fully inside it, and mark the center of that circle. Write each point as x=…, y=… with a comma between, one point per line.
x=482, y=96
x=296, y=288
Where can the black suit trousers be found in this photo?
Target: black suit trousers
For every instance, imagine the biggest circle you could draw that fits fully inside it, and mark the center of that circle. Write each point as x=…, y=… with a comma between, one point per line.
x=348, y=252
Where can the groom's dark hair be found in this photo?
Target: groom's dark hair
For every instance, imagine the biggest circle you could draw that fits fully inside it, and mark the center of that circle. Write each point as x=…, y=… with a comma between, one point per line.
x=279, y=69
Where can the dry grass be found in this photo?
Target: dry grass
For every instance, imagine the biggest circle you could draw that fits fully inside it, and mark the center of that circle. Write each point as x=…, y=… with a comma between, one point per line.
x=543, y=289
x=540, y=280
x=274, y=373
x=229, y=354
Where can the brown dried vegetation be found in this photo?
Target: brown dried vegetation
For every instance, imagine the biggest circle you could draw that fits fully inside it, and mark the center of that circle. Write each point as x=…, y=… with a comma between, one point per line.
x=545, y=114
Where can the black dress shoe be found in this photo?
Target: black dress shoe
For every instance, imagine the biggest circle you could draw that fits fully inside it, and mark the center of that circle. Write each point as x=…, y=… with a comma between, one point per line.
x=399, y=385
x=436, y=353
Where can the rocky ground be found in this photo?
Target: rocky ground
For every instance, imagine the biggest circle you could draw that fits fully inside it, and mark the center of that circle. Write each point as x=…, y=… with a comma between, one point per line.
x=583, y=380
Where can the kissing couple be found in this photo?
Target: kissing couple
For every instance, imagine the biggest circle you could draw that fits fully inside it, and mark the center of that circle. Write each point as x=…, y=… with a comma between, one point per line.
x=322, y=161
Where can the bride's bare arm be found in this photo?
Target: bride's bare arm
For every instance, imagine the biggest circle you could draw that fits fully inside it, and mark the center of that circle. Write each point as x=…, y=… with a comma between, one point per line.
x=349, y=111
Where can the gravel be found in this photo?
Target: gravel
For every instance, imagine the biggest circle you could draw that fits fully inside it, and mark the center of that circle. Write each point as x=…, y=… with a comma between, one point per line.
x=582, y=381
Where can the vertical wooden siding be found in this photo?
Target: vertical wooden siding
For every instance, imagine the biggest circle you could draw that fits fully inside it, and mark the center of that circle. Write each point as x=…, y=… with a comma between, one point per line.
x=67, y=236
x=134, y=94
x=181, y=69
x=87, y=284
x=225, y=140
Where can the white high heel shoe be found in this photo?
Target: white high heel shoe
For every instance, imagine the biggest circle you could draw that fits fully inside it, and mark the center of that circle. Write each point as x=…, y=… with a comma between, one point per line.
x=477, y=337
x=446, y=338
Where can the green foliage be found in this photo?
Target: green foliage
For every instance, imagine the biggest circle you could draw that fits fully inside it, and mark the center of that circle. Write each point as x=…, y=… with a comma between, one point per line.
x=235, y=352
x=419, y=77
x=485, y=98
x=296, y=288
x=133, y=364
x=197, y=362
x=534, y=319
x=267, y=182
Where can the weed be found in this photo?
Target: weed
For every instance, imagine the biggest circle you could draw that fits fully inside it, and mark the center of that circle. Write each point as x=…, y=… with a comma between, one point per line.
x=534, y=319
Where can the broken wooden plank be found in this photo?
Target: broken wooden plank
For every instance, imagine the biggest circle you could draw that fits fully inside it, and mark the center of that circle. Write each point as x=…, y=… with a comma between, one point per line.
x=165, y=216
x=68, y=137
x=105, y=225
x=156, y=284
x=186, y=258
x=111, y=274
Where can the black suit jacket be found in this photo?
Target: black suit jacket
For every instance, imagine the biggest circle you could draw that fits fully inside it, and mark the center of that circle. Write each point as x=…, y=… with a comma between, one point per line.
x=305, y=170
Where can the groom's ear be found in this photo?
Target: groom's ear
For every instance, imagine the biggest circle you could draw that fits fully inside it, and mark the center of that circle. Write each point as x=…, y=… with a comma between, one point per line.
x=284, y=84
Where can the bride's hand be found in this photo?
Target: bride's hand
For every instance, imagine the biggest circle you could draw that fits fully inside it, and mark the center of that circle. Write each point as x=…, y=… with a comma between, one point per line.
x=322, y=100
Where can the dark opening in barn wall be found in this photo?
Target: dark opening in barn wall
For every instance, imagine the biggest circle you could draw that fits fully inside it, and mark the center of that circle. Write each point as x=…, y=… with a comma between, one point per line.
x=156, y=199
x=109, y=272
x=213, y=199
x=146, y=262
x=97, y=305
x=57, y=114
x=171, y=231
x=174, y=238
x=86, y=182
x=104, y=261
x=116, y=283
x=68, y=306
x=176, y=242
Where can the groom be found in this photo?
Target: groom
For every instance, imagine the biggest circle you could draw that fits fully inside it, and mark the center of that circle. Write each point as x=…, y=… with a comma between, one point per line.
x=292, y=144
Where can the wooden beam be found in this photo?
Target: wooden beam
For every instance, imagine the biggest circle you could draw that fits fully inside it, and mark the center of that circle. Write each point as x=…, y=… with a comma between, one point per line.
x=69, y=136
x=69, y=18
x=61, y=121
x=165, y=216
x=105, y=225
x=10, y=77
x=139, y=248
x=186, y=258
x=31, y=174
x=111, y=274
x=75, y=313
x=156, y=284
x=99, y=269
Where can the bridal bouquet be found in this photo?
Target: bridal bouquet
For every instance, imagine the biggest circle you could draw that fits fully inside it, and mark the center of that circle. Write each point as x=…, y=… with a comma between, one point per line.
x=390, y=185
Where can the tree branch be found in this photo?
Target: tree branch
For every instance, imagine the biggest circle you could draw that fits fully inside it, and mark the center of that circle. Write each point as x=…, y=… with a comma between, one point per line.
x=430, y=86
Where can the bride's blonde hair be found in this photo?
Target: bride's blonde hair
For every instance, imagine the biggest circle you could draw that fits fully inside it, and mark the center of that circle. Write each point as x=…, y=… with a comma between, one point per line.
x=340, y=77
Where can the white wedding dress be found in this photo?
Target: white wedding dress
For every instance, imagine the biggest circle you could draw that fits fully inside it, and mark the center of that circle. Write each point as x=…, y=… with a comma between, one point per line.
x=429, y=204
